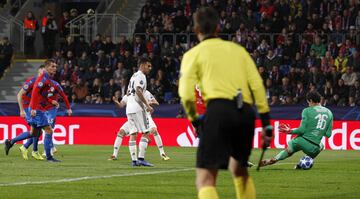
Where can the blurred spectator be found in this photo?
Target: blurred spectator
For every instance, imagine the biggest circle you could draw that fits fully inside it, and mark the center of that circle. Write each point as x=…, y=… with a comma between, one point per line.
x=318, y=47
x=48, y=30
x=82, y=46
x=354, y=61
x=109, y=90
x=109, y=46
x=349, y=76
x=6, y=53
x=340, y=62
x=69, y=45
x=84, y=61
x=327, y=62
x=30, y=27
x=80, y=90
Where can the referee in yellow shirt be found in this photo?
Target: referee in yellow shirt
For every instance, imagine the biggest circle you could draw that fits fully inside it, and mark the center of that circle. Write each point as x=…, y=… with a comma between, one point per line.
x=228, y=78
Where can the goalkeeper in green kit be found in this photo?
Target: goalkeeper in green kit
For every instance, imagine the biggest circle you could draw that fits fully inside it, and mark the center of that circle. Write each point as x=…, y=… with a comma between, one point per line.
x=316, y=122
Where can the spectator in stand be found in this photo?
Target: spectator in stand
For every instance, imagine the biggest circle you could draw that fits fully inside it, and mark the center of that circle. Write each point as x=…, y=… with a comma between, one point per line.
x=312, y=60
x=84, y=61
x=341, y=92
x=70, y=59
x=109, y=46
x=328, y=91
x=64, y=28
x=109, y=90
x=354, y=93
x=341, y=62
x=96, y=45
x=299, y=62
x=80, y=91
x=96, y=90
x=123, y=46
x=82, y=46
x=113, y=59
x=354, y=61
x=129, y=61
x=6, y=53
x=139, y=47
x=90, y=75
x=318, y=47
x=349, y=77
x=300, y=93
x=271, y=60
x=123, y=86
x=120, y=73
x=49, y=30
x=316, y=78
x=30, y=27
x=68, y=46
x=327, y=63
x=275, y=76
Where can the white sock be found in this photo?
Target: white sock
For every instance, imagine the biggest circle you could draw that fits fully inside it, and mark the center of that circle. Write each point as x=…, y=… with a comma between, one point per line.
x=142, y=147
x=133, y=150
x=159, y=143
x=117, y=145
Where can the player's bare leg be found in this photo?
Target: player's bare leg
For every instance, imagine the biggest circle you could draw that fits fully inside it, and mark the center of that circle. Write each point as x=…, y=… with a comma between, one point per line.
x=159, y=143
x=244, y=185
x=205, y=183
x=119, y=137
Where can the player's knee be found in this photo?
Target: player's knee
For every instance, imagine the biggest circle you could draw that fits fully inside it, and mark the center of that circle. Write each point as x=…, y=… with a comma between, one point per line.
x=121, y=133
x=154, y=131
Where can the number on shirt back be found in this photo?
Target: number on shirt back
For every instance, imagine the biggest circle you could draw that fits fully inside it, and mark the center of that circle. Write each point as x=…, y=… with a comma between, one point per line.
x=321, y=118
x=131, y=89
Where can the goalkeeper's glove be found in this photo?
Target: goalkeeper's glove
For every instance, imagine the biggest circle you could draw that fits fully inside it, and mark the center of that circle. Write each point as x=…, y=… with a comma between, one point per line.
x=197, y=124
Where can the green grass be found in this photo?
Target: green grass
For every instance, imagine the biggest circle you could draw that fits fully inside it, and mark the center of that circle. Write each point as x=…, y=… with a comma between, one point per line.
x=335, y=174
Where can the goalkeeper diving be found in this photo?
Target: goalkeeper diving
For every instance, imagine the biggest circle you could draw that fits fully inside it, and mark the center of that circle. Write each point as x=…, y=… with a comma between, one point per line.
x=316, y=122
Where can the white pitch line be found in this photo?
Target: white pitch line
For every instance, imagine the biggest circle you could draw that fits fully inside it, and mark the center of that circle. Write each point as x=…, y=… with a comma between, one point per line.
x=94, y=177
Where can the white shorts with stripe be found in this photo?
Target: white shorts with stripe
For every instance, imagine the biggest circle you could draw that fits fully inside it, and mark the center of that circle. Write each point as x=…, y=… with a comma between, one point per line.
x=129, y=130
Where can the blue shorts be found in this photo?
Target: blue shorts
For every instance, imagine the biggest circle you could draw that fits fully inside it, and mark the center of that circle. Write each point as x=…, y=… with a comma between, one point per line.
x=51, y=116
x=27, y=115
x=40, y=120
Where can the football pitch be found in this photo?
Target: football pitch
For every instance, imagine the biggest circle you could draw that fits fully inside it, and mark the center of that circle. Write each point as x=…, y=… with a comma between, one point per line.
x=86, y=173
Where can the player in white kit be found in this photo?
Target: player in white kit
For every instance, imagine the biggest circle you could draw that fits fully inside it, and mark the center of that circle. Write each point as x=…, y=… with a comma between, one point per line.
x=125, y=128
x=136, y=109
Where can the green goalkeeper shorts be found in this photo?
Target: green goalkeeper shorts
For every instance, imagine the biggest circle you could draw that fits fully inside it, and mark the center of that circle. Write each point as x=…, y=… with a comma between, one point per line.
x=300, y=144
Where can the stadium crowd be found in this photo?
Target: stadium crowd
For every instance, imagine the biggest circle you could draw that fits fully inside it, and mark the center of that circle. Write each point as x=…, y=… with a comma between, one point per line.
x=296, y=45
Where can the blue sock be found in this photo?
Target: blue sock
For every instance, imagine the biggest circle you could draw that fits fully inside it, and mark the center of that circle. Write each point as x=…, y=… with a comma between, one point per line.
x=23, y=136
x=35, y=140
x=28, y=143
x=47, y=145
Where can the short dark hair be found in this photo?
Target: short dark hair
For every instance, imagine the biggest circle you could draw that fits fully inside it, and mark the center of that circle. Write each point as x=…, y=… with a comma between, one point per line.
x=207, y=20
x=41, y=66
x=313, y=96
x=48, y=62
x=143, y=61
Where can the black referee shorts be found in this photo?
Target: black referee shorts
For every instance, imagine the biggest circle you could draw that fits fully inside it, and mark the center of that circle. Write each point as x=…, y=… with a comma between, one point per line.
x=226, y=131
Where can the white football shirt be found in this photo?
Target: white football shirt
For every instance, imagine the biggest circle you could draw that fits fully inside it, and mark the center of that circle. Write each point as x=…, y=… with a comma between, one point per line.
x=134, y=103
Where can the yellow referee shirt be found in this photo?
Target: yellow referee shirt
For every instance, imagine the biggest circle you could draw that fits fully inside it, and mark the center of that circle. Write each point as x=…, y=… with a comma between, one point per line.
x=220, y=68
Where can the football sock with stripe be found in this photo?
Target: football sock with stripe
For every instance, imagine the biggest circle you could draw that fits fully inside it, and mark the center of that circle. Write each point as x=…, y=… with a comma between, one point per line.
x=133, y=150
x=142, y=147
x=159, y=143
x=117, y=144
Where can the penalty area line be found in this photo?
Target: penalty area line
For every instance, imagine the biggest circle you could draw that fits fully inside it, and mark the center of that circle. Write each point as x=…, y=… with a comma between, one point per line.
x=93, y=177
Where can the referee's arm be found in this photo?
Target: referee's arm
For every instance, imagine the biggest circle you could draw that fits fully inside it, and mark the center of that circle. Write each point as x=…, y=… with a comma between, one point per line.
x=188, y=79
x=257, y=88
